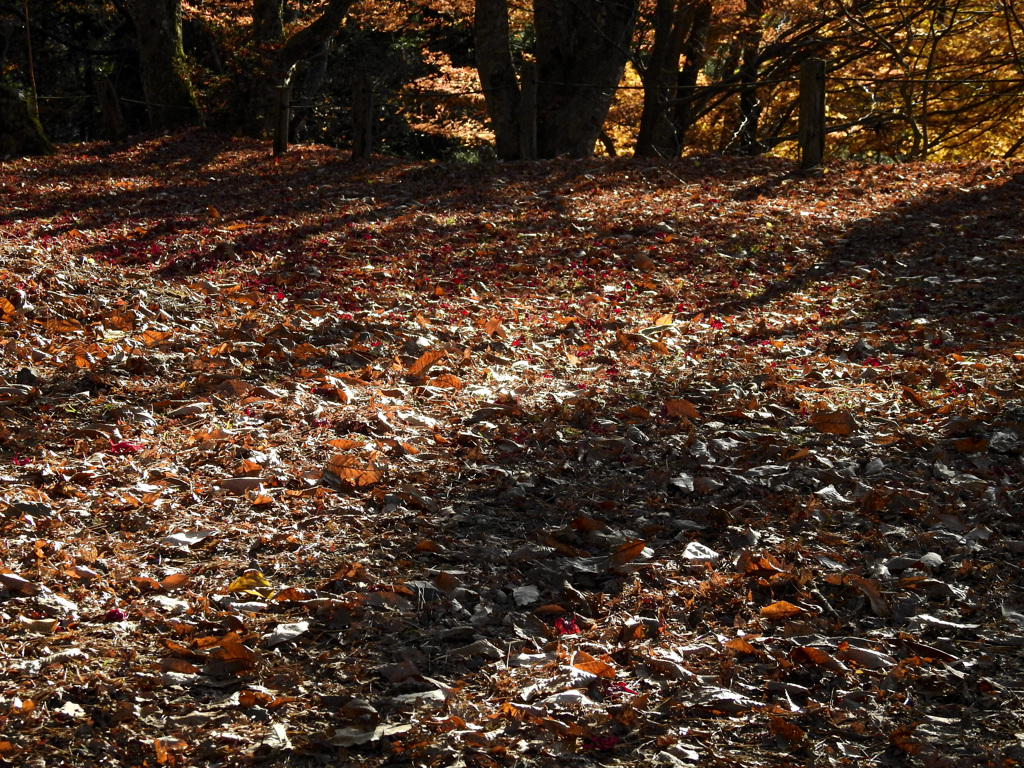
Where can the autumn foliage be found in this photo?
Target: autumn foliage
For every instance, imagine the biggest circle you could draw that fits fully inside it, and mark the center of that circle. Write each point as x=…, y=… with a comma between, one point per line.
x=906, y=80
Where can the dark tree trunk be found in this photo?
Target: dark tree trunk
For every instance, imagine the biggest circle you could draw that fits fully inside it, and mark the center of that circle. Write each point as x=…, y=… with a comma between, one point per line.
x=582, y=48
x=673, y=26
x=268, y=21
x=279, y=54
x=170, y=101
x=750, y=104
x=695, y=56
x=497, y=74
x=20, y=132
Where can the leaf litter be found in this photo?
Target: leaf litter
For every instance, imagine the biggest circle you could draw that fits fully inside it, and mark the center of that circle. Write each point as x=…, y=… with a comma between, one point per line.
x=699, y=462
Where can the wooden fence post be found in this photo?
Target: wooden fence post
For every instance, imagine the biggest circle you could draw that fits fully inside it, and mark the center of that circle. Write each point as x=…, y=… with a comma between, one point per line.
x=362, y=116
x=528, y=112
x=282, y=117
x=811, y=128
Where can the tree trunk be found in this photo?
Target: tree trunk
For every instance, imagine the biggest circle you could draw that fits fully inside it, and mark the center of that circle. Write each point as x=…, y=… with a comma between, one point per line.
x=695, y=55
x=750, y=104
x=582, y=48
x=673, y=22
x=170, y=101
x=279, y=54
x=20, y=132
x=497, y=74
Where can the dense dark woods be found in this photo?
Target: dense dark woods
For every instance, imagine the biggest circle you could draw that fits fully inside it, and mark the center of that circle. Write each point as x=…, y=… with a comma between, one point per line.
x=533, y=456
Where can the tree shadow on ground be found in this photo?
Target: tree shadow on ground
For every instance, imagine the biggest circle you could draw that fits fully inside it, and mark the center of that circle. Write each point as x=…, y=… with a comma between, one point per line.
x=664, y=508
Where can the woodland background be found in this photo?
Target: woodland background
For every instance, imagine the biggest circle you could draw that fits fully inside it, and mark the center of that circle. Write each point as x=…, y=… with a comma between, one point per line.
x=907, y=80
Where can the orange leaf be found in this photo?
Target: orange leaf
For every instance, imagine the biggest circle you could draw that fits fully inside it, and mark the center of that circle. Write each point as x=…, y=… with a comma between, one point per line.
x=741, y=645
x=904, y=739
x=424, y=362
x=628, y=552
x=151, y=338
x=446, y=380
x=787, y=730
x=351, y=470
x=345, y=444
x=663, y=320
x=679, y=408
x=914, y=397
x=584, y=523
x=549, y=608
x=971, y=445
x=834, y=422
x=597, y=667
x=492, y=325
x=780, y=610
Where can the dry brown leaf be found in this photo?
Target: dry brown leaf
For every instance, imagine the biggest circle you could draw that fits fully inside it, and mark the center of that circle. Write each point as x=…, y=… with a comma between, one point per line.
x=628, y=552
x=914, y=397
x=904, y=740
x=971, y=445
x=446, y=380
x=353, y=471
x=588, y=524
x=681, y=408
x=598, y=667
x=780, y=610
x=345, y=444
x=151, y=338
x=424, y=362
x=740, y=645
x=834, y=422
x=787, y=730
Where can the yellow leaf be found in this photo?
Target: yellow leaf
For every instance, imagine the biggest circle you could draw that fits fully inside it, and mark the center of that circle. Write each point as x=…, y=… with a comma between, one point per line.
x=252, y=582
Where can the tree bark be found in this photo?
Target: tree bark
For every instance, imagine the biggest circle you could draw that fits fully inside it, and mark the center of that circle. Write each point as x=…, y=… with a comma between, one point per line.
x=582, y=48
x=497, y=75
x=170, y=101
x=673, y=22
x=694, y=57
x=750, y=104
x=279, y=53
x=20, y=132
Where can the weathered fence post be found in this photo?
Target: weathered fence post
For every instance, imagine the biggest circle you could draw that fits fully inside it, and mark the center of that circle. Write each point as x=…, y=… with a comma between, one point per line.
x=811, y=129
x=528, y=112
x=282, y=117
x=362, y=116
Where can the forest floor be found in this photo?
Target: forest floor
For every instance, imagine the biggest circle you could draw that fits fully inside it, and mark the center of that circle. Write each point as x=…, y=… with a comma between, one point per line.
x=616, y=462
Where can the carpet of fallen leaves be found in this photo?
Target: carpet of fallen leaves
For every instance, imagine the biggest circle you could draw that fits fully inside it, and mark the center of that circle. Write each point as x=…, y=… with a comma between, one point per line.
x=702, y=462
